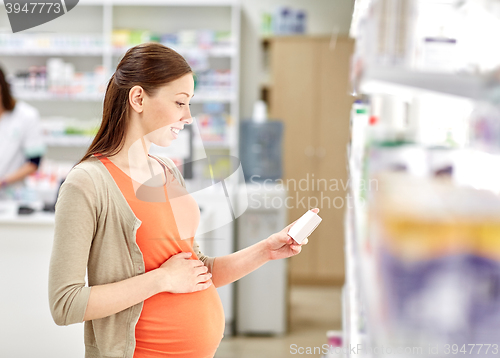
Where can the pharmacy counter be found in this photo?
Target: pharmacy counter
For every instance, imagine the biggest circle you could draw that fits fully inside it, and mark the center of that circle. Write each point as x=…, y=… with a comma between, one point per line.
x=29, y=330
x=26, y=240
x=37, y=218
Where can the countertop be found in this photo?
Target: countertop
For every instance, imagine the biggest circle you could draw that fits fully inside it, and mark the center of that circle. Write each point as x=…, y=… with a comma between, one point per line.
x=37, y=217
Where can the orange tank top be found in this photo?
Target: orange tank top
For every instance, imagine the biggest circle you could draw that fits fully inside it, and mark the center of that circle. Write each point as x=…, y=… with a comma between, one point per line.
x=188, y=325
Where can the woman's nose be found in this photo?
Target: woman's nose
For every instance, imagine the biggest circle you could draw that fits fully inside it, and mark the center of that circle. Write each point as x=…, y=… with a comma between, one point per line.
x=187, y=117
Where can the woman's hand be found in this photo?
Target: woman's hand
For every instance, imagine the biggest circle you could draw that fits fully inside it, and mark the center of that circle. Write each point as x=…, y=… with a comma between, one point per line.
x=281, y=245
x=180, y=274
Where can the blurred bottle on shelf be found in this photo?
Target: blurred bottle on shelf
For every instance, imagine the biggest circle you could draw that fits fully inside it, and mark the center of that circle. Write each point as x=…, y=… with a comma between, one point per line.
x=266, y=29
x=284, y=20
x=300, y=25
x=57, y=78
x=45, y=43
x=214, y=82
x=423, y=35
x=437, y=249
x=335, y=347
x=204, y=39
x=386, y=33
x=485, y=128
x=213, y=123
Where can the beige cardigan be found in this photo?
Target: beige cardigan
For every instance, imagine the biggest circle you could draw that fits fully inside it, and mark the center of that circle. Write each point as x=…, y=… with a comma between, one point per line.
x=95, y=231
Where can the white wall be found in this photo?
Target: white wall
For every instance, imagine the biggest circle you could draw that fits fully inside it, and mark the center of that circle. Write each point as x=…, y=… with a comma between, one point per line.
x=323, y=17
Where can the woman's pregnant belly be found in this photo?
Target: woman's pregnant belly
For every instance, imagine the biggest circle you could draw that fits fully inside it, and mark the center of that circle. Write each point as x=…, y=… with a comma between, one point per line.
x=187, y=325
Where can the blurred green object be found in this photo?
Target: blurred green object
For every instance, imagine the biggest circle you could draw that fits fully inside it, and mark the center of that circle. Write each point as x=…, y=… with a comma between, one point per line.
x=139, y=36
x=154, y=37
x=92, y=131
x=195, y=78
x=266, y=24
x=223, y=37
x=73, y=130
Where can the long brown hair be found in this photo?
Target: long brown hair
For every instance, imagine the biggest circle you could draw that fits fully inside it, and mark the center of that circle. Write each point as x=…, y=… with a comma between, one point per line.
x=8, y=102
x=150, y=66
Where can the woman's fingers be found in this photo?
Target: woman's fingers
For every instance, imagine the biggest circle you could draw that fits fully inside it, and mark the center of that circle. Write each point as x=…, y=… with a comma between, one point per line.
x=201, y=270
x=204, y=278
x=296, y=248
x=291, y=241
x=202, y=286
x=197, y=263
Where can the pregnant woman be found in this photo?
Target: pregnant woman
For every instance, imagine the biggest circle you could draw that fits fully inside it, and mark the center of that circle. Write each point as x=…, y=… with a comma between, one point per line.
x=124, y=218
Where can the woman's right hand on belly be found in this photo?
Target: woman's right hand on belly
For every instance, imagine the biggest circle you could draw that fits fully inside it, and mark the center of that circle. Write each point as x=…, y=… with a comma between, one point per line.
x=180, y=274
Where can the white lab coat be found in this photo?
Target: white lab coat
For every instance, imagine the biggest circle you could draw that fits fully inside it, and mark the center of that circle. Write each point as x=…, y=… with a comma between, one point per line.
x=21, y=137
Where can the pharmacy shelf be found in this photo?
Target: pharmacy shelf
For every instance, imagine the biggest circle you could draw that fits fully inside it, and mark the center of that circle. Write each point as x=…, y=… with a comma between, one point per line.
x=405, y=83
x=360, y=289
x=100, y=44
x=68, y=141
x=49, y=44
x=400, y=81
x=106, y=16
x=51, y=52
x=351, y=304
x=224, y=97
x=215, y=51
x=85, y=141
x=217, y=145
x=46, y=96
x=161, y=2
x=214, y=96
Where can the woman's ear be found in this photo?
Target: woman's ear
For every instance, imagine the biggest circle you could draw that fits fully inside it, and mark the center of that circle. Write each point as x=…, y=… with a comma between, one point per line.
x=136, y=98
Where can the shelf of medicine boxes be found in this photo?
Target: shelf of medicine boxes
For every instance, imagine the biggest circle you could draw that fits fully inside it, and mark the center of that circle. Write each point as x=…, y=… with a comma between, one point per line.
x=161, y=2
x=41, y=50
x=85, y=140
x=47, y=96
x=401, y=81
x=50, y=44
x=41, y=45
x=200, y=97
x=68, y=141
x=158, y=2
x=215, y=51
x=47, y=51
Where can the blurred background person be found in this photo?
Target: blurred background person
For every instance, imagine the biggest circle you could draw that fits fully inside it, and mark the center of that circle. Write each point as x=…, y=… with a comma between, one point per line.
x=21, y=141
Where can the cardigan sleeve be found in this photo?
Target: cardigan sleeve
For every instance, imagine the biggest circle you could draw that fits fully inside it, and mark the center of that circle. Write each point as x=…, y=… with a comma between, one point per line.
x=207, y=260
x=75, y=227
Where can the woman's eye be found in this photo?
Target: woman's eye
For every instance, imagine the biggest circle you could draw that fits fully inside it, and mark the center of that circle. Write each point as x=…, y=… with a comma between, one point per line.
x=180, y=104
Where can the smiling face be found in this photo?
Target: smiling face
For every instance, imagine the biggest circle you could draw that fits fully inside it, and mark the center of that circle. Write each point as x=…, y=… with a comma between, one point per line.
x=166, y=112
